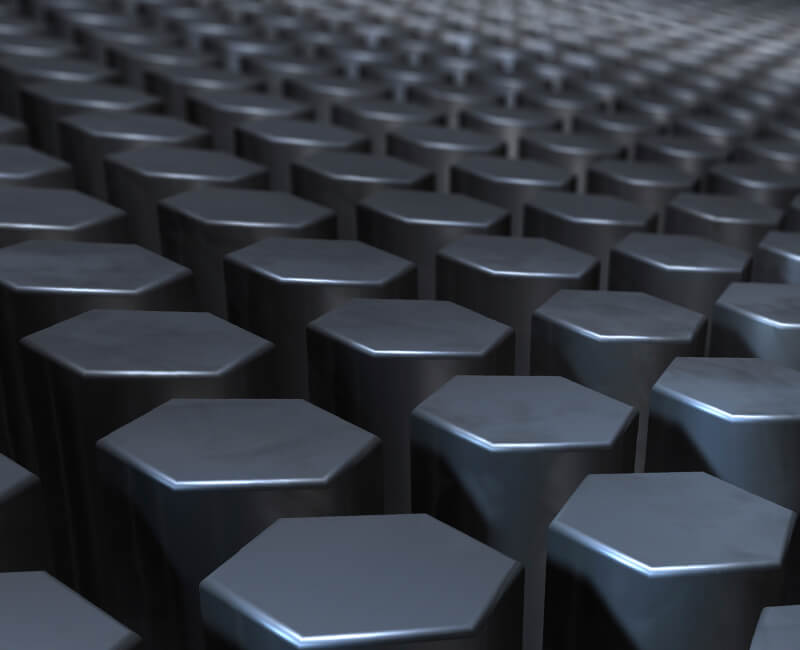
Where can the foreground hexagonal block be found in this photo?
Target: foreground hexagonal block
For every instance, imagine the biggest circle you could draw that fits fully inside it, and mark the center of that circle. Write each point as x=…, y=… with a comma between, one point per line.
x=778, y=628
x=709, y=414
x=685, y=270
x=37, y=611
x=298, y=281
x=24, y=544
x=777, y=258
x=371, y=361
x=49, y=213
x=497, y=457
x=340, y=179
x=616, y=342
x=199, y=227
x=416, y=224
x=138, y=178
x=758, y=320
x=402, y=580
x=224, y=470
x=44, y=282
x=507, y=278
x=23, y=165
x=116, y=365
x=661, y=561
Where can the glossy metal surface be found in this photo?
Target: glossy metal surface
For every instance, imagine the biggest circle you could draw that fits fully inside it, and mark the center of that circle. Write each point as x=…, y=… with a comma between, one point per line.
x=277, y=286
x=508, y=183
x=372, y=361
x=759, y=320
x=728, y=220
x=199, y=227
x=416, y=225
x=510, y=124
x=280, y=143
x=138, y=178
x=778, y=628
x=591, y=223
x=497, y=457
x=173, y=473
x=23, y=165
x=375, y=569
x=438, y=148
x=37, y=611
x=507, y=278
x=45, y=282
x=625, y=545
x=222, y=111
x=706, y=414
x=682, y=269
x=615, y=342
x=87, y=138
x=342, y=179
x=777, y=258
x=116, y=365
x=755, y=182
x=24, y=545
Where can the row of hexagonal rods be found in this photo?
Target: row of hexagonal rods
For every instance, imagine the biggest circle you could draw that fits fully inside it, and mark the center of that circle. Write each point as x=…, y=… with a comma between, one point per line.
x=251, y=521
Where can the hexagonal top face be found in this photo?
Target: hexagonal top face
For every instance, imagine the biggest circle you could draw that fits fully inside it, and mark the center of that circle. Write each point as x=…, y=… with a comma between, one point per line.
x=680, y=522
x=433, y=208
x=590, y=208
x=526, y=413
x=13, y=479
x=321, y=261
x=449, y=93
x=37, y=611
x=231, y=206
x=301, y=133
x=86, y=267
x=682, y=253
x=239, y=443
x=354, y=579
x=519, y=256
x=355, y=167
x=122, y=342
x=29, y=207
x=335, y=86
x=737, y=389
x=649, y=174
x=783, y=243
x=774, y=148
x=725, y=209
x=93, y=96
x=168, y=55
x=776, y=305
x=134, y=126
x=515, y=172
x=185, y=163
x=778, y=629
x=621, y=315
x=20, y=161
x=445, y=139
x=418, y=328
x=577, y=144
